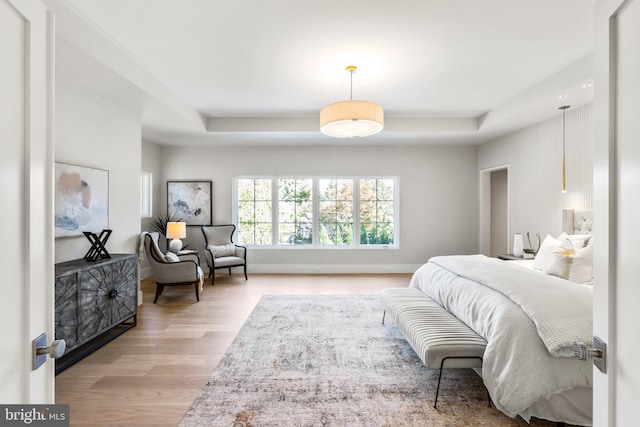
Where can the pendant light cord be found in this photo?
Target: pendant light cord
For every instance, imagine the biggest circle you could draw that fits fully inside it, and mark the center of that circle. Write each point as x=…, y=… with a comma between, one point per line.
x=564, y=132
x=351, y=69
x=351, y=85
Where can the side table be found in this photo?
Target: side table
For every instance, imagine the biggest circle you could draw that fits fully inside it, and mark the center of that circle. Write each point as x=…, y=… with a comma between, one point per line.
x=187, y=252
x=510, y=257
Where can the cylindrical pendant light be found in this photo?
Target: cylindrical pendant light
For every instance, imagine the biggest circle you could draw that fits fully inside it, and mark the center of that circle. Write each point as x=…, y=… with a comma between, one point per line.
x=351, y=119
x=564, y=148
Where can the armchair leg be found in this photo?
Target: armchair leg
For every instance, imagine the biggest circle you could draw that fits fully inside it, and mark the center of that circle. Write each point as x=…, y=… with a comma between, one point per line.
x=197, y=291
x=159, y=289
x=245, y=272
x=229, y=271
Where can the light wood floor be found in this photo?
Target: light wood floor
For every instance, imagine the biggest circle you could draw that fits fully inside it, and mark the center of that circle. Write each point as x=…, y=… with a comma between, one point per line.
x=152, y=373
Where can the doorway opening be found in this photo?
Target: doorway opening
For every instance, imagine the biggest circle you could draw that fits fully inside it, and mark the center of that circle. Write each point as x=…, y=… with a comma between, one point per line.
x=494, y=211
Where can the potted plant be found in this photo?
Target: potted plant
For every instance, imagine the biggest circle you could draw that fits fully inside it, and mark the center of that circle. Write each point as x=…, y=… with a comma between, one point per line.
x=529, y=252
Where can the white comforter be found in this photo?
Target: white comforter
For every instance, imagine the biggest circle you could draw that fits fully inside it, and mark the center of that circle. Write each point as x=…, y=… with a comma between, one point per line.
x=496, y=300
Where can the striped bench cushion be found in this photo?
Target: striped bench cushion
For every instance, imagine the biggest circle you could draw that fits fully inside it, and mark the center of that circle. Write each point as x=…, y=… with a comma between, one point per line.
x=432, y=331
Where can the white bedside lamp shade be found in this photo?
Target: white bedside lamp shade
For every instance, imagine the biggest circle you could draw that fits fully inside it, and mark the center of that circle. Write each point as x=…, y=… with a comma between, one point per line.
x=176, y=231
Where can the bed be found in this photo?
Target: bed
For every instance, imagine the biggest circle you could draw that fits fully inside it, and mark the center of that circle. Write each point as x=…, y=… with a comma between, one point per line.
x=530, y=320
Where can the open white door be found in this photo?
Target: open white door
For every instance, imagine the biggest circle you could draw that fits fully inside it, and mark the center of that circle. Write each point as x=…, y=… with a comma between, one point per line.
x=26, y=199
x=617, y=209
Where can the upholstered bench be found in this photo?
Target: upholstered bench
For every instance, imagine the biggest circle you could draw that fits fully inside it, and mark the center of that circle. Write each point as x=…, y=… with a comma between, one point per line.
x=436, y=335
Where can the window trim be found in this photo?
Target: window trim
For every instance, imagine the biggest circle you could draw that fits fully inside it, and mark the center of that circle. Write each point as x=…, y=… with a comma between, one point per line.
x=146, y=194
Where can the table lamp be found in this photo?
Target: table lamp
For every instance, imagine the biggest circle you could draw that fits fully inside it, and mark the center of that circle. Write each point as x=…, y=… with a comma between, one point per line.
x=176, y=231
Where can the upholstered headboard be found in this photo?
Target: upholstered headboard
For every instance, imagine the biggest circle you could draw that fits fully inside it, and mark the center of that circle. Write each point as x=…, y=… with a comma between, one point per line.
x=577, y=221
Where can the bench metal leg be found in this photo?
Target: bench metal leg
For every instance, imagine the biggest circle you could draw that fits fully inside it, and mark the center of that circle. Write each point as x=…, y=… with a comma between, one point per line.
x=384, y=313
x=435, y=402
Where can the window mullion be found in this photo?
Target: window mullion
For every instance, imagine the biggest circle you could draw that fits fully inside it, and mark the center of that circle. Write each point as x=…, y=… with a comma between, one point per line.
x=274, y=212
x=315, y=211
x=356, y=212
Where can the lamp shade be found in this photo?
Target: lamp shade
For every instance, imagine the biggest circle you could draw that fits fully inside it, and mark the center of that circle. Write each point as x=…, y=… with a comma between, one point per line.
x=351, y=119
x=176, y=230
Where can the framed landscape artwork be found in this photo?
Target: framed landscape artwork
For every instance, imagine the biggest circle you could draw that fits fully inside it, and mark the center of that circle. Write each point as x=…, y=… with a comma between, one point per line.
x=81, y=200
x=190, y=201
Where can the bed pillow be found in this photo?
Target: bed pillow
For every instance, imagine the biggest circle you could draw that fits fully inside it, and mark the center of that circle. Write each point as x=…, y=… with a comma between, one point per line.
x=223, y=250
x=545, y=252
x=549, y=244
x=571, y=263
x=171, y=257
x=580, y=240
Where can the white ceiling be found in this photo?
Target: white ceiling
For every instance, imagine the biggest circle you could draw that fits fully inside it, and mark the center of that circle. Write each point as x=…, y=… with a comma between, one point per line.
x=258, y=72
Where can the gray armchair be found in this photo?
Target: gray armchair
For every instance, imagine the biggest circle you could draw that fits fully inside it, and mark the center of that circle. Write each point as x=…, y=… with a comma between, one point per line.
x=221, y=252
x=170, y=269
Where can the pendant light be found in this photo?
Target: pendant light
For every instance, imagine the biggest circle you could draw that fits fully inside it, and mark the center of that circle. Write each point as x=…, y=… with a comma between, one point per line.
x=351, y=119
x=564, y=148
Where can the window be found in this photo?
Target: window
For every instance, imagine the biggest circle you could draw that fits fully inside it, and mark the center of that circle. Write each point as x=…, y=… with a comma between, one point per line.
x=377, y=211
x=316, y=212
x=146, y=194
x=295, y=212
x=254, y=211
x=335, y=211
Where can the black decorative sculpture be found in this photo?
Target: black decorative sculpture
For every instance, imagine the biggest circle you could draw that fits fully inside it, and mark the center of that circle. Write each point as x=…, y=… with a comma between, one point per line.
x=97, y=245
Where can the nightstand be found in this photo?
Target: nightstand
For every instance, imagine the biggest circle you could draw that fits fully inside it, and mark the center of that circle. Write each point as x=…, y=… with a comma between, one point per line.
x=510, y=257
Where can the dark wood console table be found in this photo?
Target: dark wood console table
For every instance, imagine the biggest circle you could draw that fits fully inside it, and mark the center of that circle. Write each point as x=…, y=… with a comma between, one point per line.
x=96, y=301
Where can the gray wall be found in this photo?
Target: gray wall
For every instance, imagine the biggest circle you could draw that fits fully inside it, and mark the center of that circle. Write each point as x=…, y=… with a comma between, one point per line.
x=92, y=132
x=438, y=185
x=437, y=198
x=534, y=158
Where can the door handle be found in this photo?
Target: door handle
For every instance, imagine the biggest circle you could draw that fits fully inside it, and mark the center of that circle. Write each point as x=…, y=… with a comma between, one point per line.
x=41, y=350
x=598, y=353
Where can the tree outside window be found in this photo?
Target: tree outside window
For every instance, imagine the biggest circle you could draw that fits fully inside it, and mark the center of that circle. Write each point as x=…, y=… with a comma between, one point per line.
x=255, y=211
x=335, y=222
x=347, y=212
x=377, y=211
x=295, y=211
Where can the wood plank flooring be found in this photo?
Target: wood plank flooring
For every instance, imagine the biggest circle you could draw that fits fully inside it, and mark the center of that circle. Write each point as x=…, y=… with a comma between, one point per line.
x=152, y=373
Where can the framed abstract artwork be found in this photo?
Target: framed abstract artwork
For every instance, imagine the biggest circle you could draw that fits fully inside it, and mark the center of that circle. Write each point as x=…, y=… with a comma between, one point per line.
x=81, y=200
x=190, y=201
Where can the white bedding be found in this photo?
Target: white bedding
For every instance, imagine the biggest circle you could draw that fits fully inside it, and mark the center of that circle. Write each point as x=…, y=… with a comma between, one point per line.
x=518, y=368
x=561, y=311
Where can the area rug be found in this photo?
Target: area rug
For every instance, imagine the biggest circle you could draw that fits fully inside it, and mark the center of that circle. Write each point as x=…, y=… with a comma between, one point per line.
x=328, y=361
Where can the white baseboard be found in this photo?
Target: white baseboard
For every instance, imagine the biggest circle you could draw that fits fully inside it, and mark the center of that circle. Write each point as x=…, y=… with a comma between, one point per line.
x=332, y=268
x=312, y=269
x=145, y=273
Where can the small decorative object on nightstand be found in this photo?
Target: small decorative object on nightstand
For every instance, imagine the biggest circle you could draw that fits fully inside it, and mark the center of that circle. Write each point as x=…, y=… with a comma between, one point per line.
x=529, y=252
x=518, y=245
